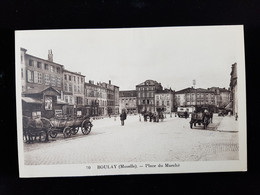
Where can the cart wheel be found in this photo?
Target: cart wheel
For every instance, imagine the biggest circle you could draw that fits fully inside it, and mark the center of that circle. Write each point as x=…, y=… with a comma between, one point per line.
x=67, y=132
x=74, y=130
x=53, y=134
x=86, y=127
x=43, y=136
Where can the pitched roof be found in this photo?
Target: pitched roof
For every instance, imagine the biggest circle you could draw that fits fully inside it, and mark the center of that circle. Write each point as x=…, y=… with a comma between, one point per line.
x=39, y=90
x=148, y=82
x=31, y=100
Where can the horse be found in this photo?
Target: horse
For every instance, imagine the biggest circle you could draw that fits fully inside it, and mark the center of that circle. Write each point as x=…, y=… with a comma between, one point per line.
x=33, y=128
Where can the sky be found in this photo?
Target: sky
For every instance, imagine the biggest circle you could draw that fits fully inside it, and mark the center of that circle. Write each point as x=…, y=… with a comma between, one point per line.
x=173, y=56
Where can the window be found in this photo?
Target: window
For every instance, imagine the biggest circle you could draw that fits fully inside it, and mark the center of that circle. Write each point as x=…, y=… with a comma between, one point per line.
x=65, y=87
x=82, y=80
x=65, y=77
x=53, y=81
x=74, y=78
x=58, y=70
x=69, y=78
x=78, y=79
x=75, y=89
x=39, y=65
x=52, y=69
x=21, y=59
x=78, y=89
x=46, y=66
x=79, y=100
x=70, y=88
x=157, y=103
x=47, y=79
x=39, y=78
x=70, y=100
x=143, y=101
x=48, y=103
x=168, y=103
x=30, y=76
x=58, y=82
x=66, y=99
x=30, y=62
x=22, y=72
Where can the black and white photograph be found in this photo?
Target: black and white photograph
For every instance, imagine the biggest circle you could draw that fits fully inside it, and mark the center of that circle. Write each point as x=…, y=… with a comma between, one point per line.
x=119, y=101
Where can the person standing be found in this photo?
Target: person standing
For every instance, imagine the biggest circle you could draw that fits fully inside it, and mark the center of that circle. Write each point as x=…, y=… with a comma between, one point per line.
x=123, y=117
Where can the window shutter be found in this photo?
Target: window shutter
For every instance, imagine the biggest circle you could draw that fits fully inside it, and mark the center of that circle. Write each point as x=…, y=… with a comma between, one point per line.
x=35, y=77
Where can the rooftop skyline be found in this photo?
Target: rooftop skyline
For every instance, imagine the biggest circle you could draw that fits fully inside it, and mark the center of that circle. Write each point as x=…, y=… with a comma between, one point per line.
x=173, y=56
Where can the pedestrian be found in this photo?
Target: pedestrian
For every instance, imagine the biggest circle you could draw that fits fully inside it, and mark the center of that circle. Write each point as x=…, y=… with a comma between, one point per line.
x=140, y=118
x=211, y=117
x=123, y=118
x=150, y=116
x=236, y=116
x=186, y=114
x=145, y=117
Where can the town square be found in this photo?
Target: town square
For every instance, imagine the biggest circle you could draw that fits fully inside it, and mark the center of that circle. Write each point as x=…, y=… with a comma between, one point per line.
x=117, y=96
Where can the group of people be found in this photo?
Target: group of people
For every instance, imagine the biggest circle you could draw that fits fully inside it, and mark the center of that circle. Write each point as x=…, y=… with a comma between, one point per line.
x=153, y=116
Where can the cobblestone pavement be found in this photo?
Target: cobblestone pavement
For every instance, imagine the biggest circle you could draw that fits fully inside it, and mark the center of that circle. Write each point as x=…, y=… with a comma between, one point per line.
x=109, y=142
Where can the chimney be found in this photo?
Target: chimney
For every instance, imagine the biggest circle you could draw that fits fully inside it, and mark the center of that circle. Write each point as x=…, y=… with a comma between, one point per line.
x=50, y=55
x=109, y=82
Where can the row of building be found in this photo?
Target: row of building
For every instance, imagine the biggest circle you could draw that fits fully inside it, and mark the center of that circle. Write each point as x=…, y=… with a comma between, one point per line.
x=48, y=89
x=150, y=96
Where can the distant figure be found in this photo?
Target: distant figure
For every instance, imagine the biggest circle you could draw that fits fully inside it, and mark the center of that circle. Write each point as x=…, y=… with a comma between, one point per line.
x=123, y=118
x=150, y=116
x=186, y=114
x=236, y=116
x=211, y=117
x=140, y=118
x=145, y=117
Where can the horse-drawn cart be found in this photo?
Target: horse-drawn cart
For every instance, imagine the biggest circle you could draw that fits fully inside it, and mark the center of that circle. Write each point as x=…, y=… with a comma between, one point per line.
x=69, y=125
x=200, y=119
x=35, y=128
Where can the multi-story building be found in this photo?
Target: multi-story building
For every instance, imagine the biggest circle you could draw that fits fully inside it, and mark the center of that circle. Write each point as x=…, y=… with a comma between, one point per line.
x=40, y=73
x=73, y=87
x=127, y=101
x=145, y=95
x=222, y=96
x=112, y=97
x=42, y=85
x=95, y=99
x=196, y=97
x=234, y=89
x=164, y=101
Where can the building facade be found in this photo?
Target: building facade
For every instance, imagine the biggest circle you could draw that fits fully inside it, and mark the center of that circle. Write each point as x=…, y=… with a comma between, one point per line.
x=112, y=98
x=164, y=101
x=73, y=92
x=42, y=85
x=196, y=97
x=39, y=73
x=145, y=95
x=222, y=96
x=127, y=101
x=95, y=99
x=234, y=89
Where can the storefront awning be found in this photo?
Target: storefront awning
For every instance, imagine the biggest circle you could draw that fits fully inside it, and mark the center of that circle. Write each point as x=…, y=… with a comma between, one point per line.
x=30, y=100
x=61, y=102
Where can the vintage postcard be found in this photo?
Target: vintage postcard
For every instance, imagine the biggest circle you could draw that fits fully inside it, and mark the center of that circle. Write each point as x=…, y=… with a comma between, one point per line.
x=131, y=101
